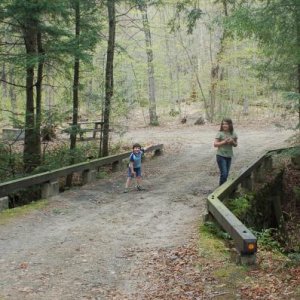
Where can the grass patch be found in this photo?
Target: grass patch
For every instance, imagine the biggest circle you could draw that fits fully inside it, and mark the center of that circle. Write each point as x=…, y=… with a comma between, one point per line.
x=215, y=247
x=231, y=273
x=212, y=243
x=9, y=214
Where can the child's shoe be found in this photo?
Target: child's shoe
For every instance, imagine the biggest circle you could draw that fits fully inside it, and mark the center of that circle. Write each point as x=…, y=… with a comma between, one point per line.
x=126, y=190
x=139, y=188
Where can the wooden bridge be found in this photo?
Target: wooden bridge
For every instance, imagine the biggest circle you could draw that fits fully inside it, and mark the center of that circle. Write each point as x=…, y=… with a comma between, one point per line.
x=245, y=241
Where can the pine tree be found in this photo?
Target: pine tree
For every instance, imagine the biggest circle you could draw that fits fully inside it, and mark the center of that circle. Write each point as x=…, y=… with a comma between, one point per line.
x=276, y=25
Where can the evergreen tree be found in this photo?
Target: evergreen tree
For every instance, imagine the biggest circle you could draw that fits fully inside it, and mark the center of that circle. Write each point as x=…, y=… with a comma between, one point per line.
x=276, y=25
x=26, y=21
x=40, y=32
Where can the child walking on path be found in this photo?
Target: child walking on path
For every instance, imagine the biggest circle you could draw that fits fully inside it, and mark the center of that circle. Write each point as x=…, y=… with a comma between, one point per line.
x=225, y=139
x=135, y=167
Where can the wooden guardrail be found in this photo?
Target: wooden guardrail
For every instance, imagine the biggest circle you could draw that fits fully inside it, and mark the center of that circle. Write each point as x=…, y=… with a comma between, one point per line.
x=244, y=239
x=49, y=180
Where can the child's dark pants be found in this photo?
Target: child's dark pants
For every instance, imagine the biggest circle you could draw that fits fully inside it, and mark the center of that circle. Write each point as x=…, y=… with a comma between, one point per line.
x=224, y=164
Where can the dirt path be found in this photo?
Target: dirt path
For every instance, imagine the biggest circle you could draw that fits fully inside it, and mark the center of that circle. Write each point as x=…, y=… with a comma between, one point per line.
x=88, y=243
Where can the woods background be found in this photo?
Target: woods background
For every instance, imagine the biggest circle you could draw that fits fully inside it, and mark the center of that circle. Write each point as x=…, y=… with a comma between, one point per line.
x=65, y=61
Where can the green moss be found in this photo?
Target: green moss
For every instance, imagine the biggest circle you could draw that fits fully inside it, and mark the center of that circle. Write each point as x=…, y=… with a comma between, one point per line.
x=231, y=273
x=217, y=251
x=9, y=214
x=212, y=241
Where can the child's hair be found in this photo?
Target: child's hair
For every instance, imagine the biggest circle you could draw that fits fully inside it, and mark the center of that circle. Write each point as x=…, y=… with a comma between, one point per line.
x=229, y=122
x=136, y=145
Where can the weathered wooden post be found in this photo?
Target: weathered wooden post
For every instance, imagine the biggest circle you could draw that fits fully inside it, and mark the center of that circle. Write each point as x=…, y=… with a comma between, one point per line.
x=50, y=189
x=4, y=202
x=247, y=183
x=88, y=176
x=116, y=166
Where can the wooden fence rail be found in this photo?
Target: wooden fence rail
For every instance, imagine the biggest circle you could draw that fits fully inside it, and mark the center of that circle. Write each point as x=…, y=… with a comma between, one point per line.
x=51, y=177
x=244, y=239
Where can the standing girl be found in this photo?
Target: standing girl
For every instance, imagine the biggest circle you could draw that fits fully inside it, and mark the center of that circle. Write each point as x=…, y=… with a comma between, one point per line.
x=226, y=139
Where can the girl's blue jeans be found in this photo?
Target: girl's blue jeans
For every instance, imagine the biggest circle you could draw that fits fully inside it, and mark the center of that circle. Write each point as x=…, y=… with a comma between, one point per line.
x=224, y=164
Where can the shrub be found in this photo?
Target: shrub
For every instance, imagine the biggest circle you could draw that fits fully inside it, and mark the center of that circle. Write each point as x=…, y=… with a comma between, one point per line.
x=240, y=206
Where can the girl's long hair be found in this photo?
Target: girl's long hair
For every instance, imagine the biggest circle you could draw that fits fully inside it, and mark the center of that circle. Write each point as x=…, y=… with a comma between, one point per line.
x=229, y=122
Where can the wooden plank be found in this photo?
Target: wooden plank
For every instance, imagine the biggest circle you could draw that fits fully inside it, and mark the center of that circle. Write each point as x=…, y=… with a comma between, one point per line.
x=240, y=234
x=230, y=185
x=87, y=122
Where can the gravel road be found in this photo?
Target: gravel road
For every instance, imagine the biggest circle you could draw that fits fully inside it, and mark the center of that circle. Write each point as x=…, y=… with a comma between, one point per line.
x=88, y=242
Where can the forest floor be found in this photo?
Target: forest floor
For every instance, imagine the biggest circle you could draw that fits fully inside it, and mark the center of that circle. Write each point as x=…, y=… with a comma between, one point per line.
x=95, y=242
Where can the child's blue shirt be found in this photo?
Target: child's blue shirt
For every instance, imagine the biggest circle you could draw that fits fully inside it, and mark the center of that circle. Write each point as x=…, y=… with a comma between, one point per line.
x=136, y=158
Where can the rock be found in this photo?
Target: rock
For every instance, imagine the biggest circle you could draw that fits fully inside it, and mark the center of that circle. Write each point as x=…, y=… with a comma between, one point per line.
x=200, y=121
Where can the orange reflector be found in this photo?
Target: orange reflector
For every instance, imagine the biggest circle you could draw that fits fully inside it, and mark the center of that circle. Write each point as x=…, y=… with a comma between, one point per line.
x=251, y=246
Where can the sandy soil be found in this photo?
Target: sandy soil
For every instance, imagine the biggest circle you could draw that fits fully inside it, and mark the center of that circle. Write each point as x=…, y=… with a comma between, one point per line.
x=89, y=241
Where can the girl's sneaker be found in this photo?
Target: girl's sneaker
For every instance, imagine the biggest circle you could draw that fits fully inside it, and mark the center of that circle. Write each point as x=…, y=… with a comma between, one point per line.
x=126, y=190
x=139, y=188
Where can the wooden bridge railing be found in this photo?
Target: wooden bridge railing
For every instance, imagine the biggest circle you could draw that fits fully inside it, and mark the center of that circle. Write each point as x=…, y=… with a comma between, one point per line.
x=244, y=239
x=49, y=180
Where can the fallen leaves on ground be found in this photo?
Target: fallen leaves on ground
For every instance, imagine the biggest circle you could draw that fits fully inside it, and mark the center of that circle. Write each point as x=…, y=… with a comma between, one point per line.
x=272, y=278
x=183, y=274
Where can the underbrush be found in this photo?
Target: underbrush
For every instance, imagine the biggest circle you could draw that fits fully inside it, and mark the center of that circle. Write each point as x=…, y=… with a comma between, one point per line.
x=268, y=240
x=272, y=209
x=54, y=156
x=61, y=156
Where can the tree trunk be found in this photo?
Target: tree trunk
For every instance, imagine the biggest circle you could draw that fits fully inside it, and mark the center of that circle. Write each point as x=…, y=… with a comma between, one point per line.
x=13, y=98
x=109, y=75
x=195, y=72
x=225, y=7
x=32, y=151
x=298, y=75
x=4, y=84
x=297, y=19
x=38, y=87
x=75, y=83
x=177, y=77
x=169, y=63
x=217, y=72
x=152, y=100
x=75, y=92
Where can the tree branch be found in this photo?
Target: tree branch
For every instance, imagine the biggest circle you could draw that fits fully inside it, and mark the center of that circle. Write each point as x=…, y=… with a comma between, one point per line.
x=13, y=113
x=125, y=14
x=13, y=84
x=11, y=43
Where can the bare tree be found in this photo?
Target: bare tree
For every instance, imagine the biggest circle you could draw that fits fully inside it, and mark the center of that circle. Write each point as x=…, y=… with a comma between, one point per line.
x=109, y=75
x=151, y=80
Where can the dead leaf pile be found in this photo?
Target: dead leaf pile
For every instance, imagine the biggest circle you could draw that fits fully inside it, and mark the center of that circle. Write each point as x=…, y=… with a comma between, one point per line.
x=183, y=274
x=272, y=286
x=174, y=274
